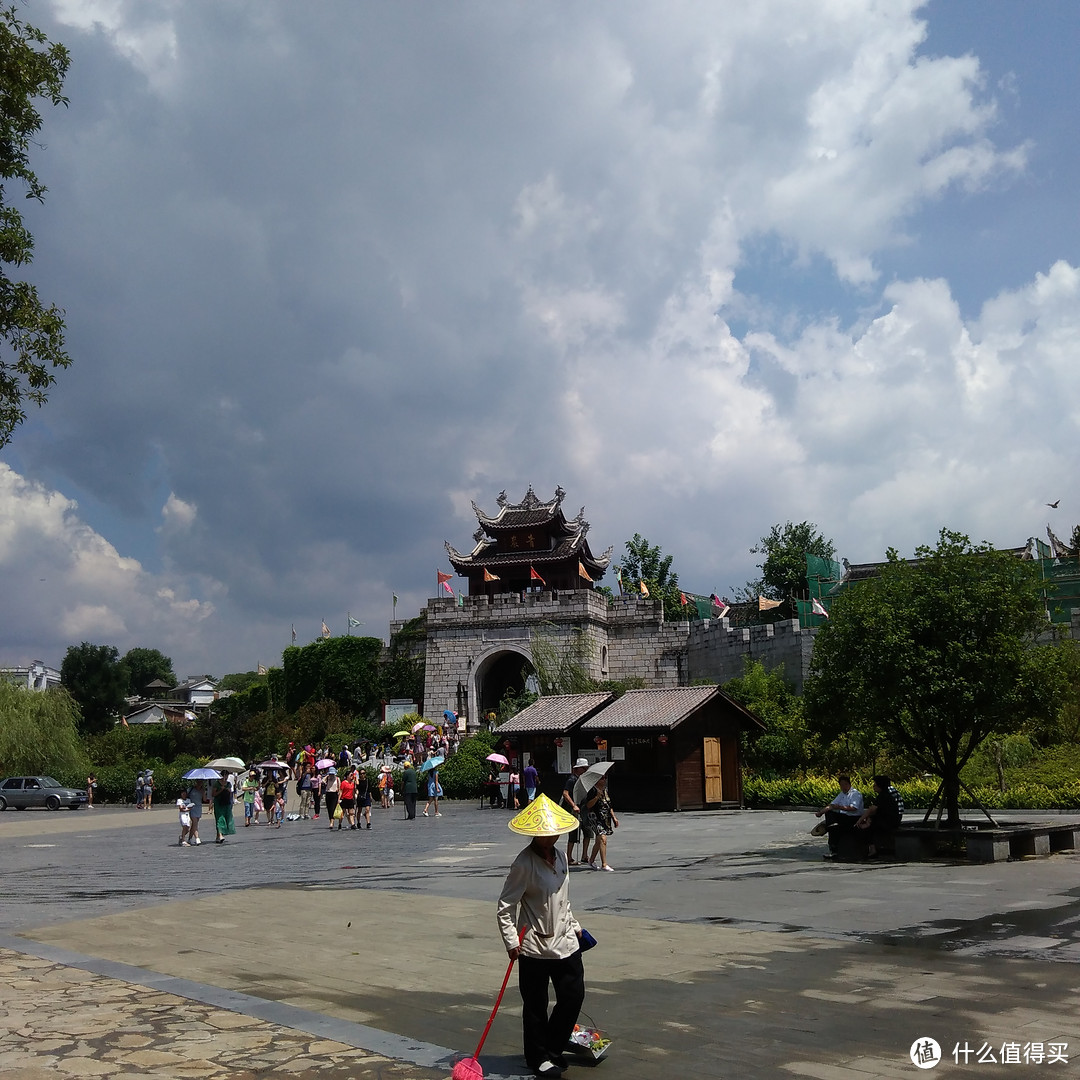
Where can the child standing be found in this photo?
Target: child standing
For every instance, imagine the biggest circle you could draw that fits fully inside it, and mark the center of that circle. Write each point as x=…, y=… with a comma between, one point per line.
x=248, y=790
x=184, y=805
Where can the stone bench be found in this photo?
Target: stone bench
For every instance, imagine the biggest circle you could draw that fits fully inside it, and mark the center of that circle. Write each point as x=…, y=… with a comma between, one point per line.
x=991, y=844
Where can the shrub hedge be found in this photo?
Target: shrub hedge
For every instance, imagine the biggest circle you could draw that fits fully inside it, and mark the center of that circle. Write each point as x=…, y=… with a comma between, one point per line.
x=820, y=790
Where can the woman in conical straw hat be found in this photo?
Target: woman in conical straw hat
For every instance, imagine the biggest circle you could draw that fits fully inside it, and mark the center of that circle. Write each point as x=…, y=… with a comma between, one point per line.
x=536, y=897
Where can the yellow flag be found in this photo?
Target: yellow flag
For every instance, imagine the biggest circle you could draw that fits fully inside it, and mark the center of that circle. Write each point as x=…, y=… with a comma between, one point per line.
x=644, y=588
x=581, y=571
x=488, y=576
x=767, y=605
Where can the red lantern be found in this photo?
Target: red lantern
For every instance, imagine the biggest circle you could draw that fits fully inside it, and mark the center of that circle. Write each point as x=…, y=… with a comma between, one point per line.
x=506, y=744
x=558, y=742
x=662, y=740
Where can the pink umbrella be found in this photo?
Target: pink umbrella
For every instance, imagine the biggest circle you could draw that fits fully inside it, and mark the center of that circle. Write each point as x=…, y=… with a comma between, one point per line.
x=325, y=763
x=418, y=727
x=498, y=758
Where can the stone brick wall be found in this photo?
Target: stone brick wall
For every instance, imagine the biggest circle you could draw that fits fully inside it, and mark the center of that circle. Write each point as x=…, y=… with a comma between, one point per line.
x=630, y=640
x=716, y=650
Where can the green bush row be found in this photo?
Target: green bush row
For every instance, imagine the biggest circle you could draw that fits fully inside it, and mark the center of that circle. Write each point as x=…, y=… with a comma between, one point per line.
x=820, y=790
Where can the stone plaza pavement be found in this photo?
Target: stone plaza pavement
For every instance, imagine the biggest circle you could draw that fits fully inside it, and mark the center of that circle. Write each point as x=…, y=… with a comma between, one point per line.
x=727, y=949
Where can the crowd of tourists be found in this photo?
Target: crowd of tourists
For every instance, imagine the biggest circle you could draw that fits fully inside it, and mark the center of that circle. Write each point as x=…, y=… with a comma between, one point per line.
x=319, y=783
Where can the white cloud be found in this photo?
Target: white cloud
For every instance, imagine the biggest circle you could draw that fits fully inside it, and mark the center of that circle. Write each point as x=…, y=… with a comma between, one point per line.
x=333, y=270
x=68, y=583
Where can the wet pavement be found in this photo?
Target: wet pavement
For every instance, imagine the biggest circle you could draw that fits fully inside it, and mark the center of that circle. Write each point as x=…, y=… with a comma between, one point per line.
x=727, y=946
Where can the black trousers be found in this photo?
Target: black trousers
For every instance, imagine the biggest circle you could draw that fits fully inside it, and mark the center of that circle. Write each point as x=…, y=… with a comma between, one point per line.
x=836, y=820
x=331, y=804
x=410, y=805
x=546, y=1036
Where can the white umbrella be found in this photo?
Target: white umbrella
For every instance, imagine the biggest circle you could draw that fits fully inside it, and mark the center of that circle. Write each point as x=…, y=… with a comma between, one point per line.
x=227, y=764
x=587, y=780
x=202, y=774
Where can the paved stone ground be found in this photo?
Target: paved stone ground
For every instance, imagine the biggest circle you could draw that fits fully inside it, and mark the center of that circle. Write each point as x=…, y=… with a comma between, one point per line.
x=59, y=1021
x=727, y=947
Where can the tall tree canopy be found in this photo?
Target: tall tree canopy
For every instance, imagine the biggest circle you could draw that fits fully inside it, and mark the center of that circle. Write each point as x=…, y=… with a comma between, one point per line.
x=783, y=571
x=97, y=679
x=32, y=335
x=145, y=666
x=939, y=653
x=647, y=562
x=39, y=734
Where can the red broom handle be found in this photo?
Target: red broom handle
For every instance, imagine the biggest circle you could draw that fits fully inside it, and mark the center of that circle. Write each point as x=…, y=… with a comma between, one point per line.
x=498, y=1000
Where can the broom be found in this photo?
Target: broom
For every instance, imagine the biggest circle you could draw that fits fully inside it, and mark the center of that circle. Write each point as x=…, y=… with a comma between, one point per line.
x=469, y=1068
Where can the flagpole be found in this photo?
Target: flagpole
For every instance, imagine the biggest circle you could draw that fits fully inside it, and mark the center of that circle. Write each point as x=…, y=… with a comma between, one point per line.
x=348, y=624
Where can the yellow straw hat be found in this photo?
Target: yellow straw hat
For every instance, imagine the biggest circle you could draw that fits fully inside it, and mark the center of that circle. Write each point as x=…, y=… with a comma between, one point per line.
x=543, y=818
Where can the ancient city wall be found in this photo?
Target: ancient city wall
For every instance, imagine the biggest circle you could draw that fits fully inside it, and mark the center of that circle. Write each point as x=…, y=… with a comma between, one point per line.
x=716, y=650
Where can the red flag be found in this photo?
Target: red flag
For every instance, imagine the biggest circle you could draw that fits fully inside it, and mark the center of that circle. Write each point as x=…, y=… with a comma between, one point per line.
x=534, y=576
x=446, y=585
x=443, y=578
x=489, y=576
x=682, y=599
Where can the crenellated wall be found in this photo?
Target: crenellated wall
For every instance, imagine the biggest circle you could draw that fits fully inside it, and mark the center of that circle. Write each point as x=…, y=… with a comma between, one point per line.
x=716, y=650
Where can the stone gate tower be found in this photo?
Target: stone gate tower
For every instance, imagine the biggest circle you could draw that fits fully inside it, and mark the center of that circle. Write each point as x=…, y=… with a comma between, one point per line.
x=532, y=571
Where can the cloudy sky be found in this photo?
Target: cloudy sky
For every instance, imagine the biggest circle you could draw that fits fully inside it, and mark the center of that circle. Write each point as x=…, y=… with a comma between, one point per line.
x=332, y=270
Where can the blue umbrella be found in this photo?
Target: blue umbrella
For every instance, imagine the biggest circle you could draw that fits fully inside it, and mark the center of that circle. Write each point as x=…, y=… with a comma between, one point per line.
x=202, y=774
x=431, y=763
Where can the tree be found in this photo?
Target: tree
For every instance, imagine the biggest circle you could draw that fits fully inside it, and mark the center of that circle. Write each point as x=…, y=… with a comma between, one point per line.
x=787, y=744
x=146, y=666
x=647, y=562
x=31, y=67
x=562, y=664
x=39, y=734
x=783, y=572
x=97, y=679
x=238, y=681
x=939, y=653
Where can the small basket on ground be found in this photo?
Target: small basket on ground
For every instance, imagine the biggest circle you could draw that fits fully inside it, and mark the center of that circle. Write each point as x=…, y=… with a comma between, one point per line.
x=588, y=1043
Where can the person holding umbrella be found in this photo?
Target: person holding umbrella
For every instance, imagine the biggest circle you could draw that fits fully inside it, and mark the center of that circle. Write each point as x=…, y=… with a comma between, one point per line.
x=434, y=788
x=535, y=898
x=223, y=815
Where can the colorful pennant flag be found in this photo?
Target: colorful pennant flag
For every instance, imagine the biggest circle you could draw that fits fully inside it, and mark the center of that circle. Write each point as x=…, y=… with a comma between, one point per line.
x=325, y=629
x=489, y=576
x=764, y=604
x=817, y=607
x=534, y=576
x=581, y=571
x=294, y=634
x=354, y=622
x=721, y=608
x=644, y=588
x=261, y=669
x=443, y=578
x=682, y=599
x=446, y=586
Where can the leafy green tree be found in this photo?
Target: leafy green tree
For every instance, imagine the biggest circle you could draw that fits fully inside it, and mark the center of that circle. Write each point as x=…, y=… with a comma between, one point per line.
x=97, y=679
x=145, y=666
x=788, y=744
x=240, y=680
x=939, y=654
x=783, y=571
x=31, y=68
x=344, y=670
x=39, y=733
x=562, y=664
x=647, y=562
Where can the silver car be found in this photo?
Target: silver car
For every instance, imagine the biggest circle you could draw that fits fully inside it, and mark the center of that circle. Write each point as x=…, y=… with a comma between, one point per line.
x=23, y=791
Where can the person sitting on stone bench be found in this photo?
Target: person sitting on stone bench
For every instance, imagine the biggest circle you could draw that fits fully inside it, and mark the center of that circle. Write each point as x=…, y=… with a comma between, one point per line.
x=841, y=814
x=882, y=818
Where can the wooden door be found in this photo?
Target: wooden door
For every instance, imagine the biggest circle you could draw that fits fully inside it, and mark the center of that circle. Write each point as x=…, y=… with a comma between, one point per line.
x=714, y=783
